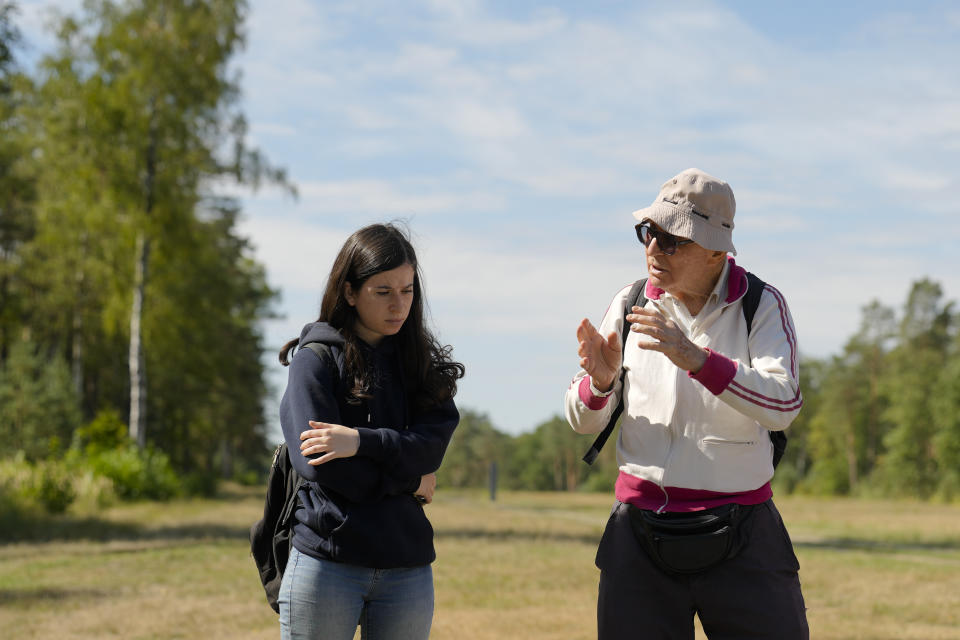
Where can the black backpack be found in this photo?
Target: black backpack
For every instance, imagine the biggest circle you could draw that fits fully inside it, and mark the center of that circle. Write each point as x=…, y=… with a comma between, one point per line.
x=750, y=303
x=271, y=537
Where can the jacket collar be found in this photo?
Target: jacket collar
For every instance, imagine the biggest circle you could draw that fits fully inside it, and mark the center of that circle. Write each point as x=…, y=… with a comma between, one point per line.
x=733, y=277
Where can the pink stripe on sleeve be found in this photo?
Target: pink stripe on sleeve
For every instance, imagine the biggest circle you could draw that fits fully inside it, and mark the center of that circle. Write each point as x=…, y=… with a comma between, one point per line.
x=793, y=405
x=787, y=328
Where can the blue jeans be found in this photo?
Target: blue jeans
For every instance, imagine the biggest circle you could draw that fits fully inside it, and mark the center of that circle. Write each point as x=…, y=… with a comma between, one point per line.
x=320, y=599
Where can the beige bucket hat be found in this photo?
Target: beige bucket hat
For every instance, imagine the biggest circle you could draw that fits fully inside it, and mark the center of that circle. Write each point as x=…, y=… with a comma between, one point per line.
x=695, y=205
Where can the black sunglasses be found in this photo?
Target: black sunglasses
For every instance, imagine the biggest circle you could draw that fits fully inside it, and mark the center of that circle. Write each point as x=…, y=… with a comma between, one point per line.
x=667, y=242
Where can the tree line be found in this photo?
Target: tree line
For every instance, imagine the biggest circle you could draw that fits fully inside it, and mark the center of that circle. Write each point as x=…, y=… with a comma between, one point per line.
x=130, y=307
x=881, y=419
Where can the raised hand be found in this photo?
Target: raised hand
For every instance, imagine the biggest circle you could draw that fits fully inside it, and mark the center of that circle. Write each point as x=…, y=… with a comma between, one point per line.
x=599, y=356
x=668, y=338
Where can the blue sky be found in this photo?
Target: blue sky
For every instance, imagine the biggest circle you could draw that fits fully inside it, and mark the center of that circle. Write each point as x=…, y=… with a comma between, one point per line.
x=516, y=138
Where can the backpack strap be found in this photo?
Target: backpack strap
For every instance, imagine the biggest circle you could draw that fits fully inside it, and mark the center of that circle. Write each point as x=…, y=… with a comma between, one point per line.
x=751, y=300
x=640, y=299
x=282, y=462
x=323, y=351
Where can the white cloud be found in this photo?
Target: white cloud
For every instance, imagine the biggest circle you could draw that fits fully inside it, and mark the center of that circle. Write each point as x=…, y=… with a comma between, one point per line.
x=519, y=137
x=367, y=118
x=416, y=59
x=387, y=198
x=287, y=28
x=272, y=129
x=476, y=120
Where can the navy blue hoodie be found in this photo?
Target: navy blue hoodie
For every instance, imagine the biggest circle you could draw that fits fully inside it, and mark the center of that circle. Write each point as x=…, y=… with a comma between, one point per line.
x=361, y=510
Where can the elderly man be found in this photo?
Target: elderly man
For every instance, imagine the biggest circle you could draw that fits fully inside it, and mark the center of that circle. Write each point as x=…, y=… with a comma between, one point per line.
x=705, y=376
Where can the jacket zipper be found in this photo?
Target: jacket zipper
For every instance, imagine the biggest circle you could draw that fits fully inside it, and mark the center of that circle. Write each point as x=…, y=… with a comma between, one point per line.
x=663, y=477
x=666, y=463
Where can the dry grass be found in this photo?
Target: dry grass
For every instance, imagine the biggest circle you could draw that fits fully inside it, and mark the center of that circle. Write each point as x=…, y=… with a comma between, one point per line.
x=520, y=567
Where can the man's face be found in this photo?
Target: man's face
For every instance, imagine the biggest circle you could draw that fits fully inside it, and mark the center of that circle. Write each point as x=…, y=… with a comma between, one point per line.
x=690, y=271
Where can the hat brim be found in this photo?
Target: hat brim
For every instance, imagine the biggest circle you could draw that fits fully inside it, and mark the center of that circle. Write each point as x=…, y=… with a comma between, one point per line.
x=685, y=224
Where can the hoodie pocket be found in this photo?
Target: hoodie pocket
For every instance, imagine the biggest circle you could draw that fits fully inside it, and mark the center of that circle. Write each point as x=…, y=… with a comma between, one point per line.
x=330, y=518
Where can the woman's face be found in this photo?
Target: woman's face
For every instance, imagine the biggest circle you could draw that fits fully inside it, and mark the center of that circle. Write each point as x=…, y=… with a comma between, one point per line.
x=382, y=303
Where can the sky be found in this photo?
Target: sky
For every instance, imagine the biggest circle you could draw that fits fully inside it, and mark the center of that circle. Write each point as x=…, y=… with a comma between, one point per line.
x=516, y=138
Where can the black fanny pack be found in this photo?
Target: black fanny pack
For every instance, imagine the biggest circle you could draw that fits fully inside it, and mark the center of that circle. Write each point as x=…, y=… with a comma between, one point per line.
x=685, y=543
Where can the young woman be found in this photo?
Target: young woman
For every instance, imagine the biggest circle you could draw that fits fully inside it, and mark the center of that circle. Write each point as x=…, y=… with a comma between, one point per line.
x=367, y=417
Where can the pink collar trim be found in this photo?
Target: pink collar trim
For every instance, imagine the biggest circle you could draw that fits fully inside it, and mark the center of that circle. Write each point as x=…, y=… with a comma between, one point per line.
x=736, y=281
x=736, y=284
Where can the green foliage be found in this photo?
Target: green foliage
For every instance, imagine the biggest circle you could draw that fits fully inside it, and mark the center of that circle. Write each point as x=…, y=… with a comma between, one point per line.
x=126, y=132
x=886, y=417
x=907, y=466
x=17, y=190
x=945, y=409
x=25, y=485
x=547, y=459
x=55, y=491
x=105, y=433
x=38, y=407
x=200, y=483
x=550, y=458
x=137, y=473
x=476, y=444
x=96, y=480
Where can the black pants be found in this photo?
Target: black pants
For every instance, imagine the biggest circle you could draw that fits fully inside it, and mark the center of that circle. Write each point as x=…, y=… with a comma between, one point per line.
x=755, y=594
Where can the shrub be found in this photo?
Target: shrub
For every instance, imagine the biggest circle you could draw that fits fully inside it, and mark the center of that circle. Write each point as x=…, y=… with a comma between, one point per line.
x=106, y=432
x=200, y=483
x=48, y=485
x=55, y=491
x=137, y=473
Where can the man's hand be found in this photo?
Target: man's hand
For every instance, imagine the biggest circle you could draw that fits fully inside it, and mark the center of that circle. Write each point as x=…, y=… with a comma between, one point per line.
x=600, y=357
x=668, y=339
x=333, y=440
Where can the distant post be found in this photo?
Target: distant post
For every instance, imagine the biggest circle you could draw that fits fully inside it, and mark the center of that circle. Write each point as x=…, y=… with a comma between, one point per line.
x=493, y=481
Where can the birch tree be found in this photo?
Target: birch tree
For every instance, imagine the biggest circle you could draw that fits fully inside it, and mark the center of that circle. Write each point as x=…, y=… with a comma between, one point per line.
x=144, y=91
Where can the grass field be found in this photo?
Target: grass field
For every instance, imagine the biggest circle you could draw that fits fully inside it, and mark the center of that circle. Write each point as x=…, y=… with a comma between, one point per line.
x=520, y=567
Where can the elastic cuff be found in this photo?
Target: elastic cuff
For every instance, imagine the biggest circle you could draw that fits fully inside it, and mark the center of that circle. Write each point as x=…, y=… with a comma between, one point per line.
x=589, y=395
x=371, y=444
x=413, y=486
x=717, y=372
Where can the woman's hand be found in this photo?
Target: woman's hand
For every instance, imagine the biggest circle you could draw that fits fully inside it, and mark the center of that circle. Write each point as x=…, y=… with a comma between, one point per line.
x=332, y=440
x=428, y=484
x=668, y=339
x=599, y=357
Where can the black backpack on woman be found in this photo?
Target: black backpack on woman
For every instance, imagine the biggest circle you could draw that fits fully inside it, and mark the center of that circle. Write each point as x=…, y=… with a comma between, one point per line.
x=272, y=536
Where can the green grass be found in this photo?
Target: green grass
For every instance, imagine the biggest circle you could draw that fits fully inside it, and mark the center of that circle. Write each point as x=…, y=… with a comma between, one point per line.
x=520, y=567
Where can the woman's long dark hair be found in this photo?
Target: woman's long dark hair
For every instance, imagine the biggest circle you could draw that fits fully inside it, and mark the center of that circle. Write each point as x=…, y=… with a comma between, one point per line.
x=430, y=375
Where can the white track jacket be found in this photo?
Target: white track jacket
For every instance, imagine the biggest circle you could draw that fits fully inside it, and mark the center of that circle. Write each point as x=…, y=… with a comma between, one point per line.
x=706, y=431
